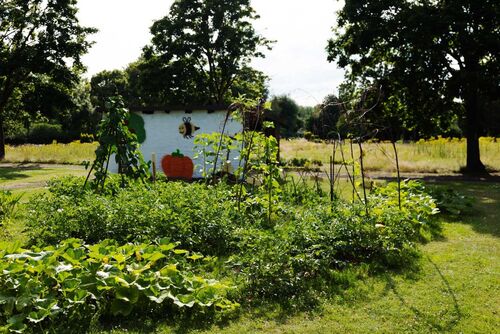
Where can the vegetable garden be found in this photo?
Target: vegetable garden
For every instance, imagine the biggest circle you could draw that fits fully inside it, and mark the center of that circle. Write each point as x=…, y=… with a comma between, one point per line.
x=107, y=248
x=111, y=247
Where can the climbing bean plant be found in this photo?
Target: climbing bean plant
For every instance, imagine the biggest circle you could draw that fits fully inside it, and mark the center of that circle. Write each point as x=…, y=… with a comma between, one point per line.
x=116, y=138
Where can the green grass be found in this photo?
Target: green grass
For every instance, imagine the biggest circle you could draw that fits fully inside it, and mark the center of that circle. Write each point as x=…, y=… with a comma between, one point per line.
x=72, y=153
x=433, y=156
x=30, y=179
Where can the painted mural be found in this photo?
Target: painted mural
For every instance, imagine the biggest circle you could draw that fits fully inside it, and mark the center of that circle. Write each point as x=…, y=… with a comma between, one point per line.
x=168, y=137
x=177, y=166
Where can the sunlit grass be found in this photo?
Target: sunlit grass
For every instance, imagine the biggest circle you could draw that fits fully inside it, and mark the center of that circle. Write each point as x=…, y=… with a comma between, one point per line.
x=31, y=179
x=439, y=155
x=72, y=153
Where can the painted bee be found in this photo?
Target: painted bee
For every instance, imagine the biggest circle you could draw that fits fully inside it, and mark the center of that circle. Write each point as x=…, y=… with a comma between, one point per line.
x=187, y=128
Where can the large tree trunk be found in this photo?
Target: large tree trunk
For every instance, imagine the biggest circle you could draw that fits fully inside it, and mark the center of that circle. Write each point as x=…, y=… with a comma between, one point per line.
x=472, y=109
x=2, y=140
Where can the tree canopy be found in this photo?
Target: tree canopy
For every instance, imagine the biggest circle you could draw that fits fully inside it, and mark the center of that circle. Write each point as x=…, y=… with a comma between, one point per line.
x=433, y=57
x=38, y=38
x=199, y=49
x=285, y=109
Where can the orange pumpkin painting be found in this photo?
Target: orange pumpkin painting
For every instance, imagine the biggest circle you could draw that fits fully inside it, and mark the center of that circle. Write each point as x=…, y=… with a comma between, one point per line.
x=177, y=166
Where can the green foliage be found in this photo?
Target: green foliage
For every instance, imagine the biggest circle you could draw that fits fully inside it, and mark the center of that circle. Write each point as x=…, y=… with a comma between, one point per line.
x=45, y=133
x=107, y=84
x=416, y=208
x=39, y=39
x=73, y=284
x=116, y=138
x=8, y=203
x=206, y=147
x=250, y=83
x=286, y=247
x=213, y=44
x=286, y=110
x=199, y=217
x=440, y=62
x=451, y=201
x=323, y=122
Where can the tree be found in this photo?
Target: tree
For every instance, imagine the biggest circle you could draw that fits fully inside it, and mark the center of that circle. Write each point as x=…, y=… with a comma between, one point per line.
x=107, y=84
x=37, y=38
x=434, y=56
x=201, y=46
x=323, y=121
x=285, y=109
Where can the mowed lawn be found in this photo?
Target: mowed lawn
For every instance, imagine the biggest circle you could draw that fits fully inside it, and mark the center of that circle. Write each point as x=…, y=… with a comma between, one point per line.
x=29, y=179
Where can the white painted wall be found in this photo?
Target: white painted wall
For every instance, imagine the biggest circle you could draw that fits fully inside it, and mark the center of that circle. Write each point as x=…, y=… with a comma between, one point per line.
x=163, y=137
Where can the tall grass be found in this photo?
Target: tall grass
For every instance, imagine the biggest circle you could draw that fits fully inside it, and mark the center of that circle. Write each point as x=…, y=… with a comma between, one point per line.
x=439, y=155
x=72, y=153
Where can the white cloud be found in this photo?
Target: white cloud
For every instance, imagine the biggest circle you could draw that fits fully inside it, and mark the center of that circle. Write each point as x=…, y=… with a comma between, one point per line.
x=297, y=64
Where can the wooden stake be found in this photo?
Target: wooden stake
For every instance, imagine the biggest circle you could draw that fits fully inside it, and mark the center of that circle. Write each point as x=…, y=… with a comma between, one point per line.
x=153, y=160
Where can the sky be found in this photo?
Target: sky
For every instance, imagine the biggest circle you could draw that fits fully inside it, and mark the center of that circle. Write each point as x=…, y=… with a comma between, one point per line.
x=297, y=63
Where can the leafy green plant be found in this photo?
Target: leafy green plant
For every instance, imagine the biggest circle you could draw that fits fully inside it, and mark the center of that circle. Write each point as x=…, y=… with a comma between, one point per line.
x=206, y=146
x=116, y=138
x=46, y=289
x=8, y=203
x=451, y=201
x=310, y=240
x=199, y=216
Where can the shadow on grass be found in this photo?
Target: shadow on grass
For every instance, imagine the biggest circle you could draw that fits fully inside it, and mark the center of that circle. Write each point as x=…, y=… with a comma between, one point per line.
x=435, y=321
x=17, y=172
x=483, y=214
x=178, y=321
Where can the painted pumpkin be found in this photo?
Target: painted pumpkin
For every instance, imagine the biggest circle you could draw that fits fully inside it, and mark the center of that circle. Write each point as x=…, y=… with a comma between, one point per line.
x=177, y=166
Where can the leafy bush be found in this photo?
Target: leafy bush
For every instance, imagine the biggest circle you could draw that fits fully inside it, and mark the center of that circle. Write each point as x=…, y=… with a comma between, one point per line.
x=200, y=217
x=303, y=255
x=451, y=201
x=45, y=133
x=15, y=132
x=45, y=290
x=86, y=138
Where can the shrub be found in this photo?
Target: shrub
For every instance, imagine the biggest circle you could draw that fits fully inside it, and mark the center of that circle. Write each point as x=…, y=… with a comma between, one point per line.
x=86, y=138
x=451, y=201
x=15, y=132
x=293, y=255
x=45, y=133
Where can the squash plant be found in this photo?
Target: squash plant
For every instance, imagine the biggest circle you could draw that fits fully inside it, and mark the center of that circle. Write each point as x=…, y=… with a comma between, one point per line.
x=42, y=288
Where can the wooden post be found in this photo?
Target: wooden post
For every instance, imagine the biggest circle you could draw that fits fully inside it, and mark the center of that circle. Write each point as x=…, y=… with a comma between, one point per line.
x=153, y=160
